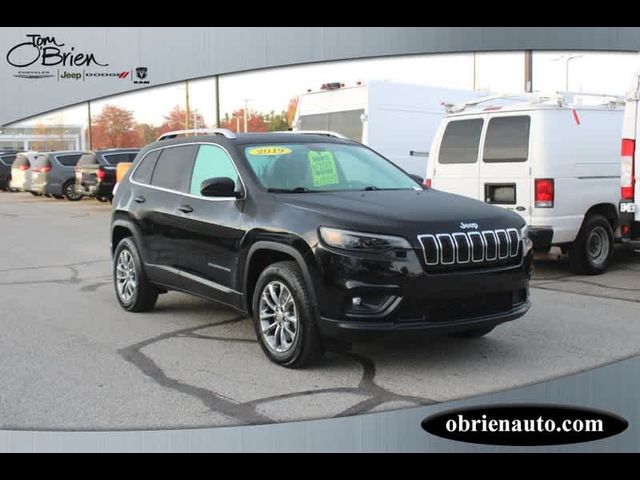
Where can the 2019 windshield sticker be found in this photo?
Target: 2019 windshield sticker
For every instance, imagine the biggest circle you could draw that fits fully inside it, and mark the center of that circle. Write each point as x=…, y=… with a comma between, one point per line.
x=271, y=150
x=323, y=168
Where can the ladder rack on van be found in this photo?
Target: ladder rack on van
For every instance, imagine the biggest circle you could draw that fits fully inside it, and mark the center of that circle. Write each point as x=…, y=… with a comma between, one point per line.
x=561, y=98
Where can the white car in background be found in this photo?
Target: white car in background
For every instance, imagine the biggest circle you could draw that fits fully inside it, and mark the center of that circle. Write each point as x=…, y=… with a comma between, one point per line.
x=554, y=159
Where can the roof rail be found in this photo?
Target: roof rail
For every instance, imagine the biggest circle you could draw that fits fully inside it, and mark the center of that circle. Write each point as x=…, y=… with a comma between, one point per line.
x=560, y=97
x=198, y=131
x=326, y=133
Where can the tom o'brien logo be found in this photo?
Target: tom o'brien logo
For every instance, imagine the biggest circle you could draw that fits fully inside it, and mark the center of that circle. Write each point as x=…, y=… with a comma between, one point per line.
x=45, y=56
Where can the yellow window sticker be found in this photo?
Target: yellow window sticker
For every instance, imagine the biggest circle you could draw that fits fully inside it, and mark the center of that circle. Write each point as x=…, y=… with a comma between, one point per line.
x=264, y=151
x=323, y=168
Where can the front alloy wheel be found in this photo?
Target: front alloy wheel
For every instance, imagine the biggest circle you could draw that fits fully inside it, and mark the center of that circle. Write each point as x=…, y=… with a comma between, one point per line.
x=278, y=317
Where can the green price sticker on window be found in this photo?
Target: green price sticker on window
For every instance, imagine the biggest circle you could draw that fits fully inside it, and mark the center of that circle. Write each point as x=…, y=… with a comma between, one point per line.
x=323, y=169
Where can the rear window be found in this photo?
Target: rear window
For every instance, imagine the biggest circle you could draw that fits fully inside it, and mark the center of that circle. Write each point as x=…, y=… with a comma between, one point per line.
x=173, y=168
x=42, y=161
x=460, y=142
x=68, y=160
x=348, y=123
x=116, y=158
x=21, y=161
x=8, y=160
x=87, y=159
x=507, y=140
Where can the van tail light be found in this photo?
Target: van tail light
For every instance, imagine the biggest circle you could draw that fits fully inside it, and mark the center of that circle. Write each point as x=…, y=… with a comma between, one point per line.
x=427, y=182
x=24, y=167
x=101, y=174
x=627, y=172
x=545, y=192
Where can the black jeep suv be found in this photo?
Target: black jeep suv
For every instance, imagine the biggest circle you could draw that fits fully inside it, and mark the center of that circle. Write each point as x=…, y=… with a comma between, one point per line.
x=317, y=237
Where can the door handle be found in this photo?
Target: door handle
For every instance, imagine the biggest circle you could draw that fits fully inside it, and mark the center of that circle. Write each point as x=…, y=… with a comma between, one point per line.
x=185, y=208
x=139, y=199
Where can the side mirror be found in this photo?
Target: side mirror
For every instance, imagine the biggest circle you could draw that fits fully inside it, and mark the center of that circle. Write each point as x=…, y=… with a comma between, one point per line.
x=219, y=187
x=417, y=178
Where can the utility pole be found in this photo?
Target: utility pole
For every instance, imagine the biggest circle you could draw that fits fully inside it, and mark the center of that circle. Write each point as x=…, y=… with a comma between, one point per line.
x=246, y=101
x=188, y=109
x=217, y=105
x=567, y=59
x=528, y=71
x=474, y=71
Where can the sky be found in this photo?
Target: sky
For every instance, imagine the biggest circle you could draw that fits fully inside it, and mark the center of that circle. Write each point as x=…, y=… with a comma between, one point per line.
x=271, y=89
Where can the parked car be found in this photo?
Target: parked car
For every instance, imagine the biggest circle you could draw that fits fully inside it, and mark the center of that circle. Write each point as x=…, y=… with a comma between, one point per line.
x=396, y=119
x=53, y=175
x=317, y=237
x=21, y=171
x=552, y=159
x=7, y=158
x=630, y=166
x=96, y=171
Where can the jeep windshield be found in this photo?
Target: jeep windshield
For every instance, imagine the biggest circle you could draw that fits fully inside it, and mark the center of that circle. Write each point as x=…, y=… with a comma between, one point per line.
x=324, y=167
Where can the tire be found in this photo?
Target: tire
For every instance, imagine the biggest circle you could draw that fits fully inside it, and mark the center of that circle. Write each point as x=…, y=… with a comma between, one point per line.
x=70, y=193
x=36, y=194
x=592, y=250
x=475, y=333
x=305, y=346
x=102, y=199
x=127, y=266
x=58, y=197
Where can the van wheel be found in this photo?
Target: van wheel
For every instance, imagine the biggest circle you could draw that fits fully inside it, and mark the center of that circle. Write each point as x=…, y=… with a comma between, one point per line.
x=135, y=293
x=283, y=318
x=592, y=250
x=70, y=193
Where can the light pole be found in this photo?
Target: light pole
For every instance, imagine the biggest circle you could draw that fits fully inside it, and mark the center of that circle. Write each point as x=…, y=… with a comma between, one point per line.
x=246, y=101
x=567, y=59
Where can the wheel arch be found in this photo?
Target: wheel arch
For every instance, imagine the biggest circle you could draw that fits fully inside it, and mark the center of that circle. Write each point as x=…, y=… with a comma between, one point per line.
x=123, y=226
x=608, y=211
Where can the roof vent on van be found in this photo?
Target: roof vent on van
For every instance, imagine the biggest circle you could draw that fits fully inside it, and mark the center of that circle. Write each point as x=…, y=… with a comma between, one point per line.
x=331, y=86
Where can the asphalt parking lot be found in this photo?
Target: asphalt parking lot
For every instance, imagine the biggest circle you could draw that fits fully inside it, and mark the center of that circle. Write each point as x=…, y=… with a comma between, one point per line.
x=70, y=358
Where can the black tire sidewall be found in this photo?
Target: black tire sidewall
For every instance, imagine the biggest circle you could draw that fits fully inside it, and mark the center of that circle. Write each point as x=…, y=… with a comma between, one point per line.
x=128, y=244
x=305, y=315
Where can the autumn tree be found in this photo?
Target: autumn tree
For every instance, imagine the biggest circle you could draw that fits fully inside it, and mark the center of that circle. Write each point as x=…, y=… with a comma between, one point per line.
x=256, y=122
x=277, y=122
x=176, y=119
x=146, y=133
x=114, y=127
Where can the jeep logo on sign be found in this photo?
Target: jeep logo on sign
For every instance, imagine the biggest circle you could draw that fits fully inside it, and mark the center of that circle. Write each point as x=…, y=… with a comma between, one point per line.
x=465, y=226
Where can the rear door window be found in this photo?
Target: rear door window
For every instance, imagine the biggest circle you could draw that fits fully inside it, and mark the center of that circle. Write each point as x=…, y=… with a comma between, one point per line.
x=507, y=140
x=116, y=158
x=70, y=160
x=460, y=142
x=145, y=169
x=173, y=168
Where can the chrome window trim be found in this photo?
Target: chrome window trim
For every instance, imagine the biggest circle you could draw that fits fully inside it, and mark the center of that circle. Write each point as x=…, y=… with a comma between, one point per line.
x=469, y=247
x=185, y=194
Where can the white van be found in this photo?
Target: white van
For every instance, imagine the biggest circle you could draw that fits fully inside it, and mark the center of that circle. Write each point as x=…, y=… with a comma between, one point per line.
x=630, y=187
x=554, y=159
x=398, y=120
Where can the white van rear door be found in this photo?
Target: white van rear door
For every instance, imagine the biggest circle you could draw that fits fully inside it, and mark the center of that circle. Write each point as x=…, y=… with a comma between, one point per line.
x=504, y=165
x=454, y=167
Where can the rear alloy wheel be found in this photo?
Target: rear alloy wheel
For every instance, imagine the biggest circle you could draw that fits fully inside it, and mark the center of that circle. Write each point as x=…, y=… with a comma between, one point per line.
x=70, y=193
x=592, y=250
x=135, y=293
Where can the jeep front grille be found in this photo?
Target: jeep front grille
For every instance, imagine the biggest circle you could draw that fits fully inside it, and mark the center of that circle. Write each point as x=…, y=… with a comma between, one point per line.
x=446, y=251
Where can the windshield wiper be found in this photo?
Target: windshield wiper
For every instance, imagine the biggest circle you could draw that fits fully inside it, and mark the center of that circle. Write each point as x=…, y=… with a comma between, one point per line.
x=289, y=190
x=370, y=188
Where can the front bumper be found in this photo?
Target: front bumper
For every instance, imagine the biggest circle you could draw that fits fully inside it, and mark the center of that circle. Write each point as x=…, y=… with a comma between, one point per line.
x=401, y=296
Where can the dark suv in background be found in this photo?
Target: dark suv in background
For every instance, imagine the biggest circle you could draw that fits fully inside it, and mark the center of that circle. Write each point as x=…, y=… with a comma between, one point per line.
x=7, y=158
x=52, y=174
x=317, y=237
x=96, y=171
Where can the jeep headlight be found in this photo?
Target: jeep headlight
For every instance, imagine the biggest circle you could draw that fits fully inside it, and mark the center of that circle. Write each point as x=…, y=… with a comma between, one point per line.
x=362, y=242
x=527, y=244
